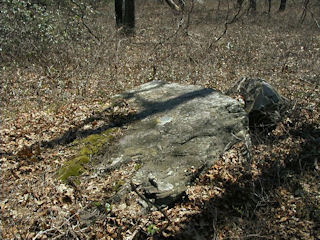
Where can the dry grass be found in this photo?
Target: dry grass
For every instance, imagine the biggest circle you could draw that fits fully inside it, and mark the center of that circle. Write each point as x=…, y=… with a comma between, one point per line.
x=42, y=98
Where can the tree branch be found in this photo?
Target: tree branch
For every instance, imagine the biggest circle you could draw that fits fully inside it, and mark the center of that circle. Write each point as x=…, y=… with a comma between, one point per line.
x=233, y=20
x=82, y=20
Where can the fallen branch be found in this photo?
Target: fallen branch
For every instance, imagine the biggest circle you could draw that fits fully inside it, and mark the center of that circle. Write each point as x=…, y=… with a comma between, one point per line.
x=174, y=6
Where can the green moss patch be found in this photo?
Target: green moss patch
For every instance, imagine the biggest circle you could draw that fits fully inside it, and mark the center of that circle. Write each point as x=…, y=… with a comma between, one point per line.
x=89, y=146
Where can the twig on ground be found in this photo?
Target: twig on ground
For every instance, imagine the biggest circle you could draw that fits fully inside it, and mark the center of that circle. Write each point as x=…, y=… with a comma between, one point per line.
x=44, y=232
x=67, y=221
x=134, y=188
x=214, y=224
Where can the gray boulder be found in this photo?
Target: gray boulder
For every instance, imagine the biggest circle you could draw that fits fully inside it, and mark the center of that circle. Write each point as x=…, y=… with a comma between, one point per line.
x=178, y=132
x=262, y=101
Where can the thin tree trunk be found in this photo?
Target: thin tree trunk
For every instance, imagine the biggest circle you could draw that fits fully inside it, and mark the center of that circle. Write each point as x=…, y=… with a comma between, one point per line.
x=118, y=12
x=129, y=15
x=269, y=6
x=304, y=13
x=282, y=5
x=253, y=5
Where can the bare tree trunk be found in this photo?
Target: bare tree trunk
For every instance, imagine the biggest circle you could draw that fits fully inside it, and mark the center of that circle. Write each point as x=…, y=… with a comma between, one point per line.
x=282, y=5
x=253, y=5
x=269, y=6
x=118, y=12
x=125, y=14
x=239, y=2
x=129, y=15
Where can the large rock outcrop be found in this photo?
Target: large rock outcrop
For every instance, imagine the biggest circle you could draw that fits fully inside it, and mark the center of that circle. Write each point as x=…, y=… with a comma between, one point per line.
x=178, y=131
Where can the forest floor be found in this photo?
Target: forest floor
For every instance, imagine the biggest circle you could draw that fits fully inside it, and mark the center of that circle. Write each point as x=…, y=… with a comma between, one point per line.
x=49, y=103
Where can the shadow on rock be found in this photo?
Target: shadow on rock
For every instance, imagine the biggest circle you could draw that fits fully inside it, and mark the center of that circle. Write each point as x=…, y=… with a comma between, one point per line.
x=119, y=120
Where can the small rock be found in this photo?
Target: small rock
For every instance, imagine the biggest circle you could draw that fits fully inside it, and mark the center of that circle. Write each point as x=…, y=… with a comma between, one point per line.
x=262, y=101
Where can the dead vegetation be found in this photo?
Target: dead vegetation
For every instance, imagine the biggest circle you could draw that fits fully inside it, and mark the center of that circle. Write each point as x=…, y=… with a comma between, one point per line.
x=64, y=95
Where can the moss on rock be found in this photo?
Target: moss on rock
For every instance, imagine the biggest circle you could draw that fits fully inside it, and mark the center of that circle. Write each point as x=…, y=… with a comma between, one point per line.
x=89, y=146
